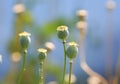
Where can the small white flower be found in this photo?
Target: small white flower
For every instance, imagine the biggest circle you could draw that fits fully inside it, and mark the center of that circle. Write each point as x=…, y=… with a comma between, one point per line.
x=16, y=57
x=111, y=5
x=49, y=45
x=52, y=82
x=82, y=13
x=81, y=25
x=18, y=8
x=73, y=78
x=0, y=59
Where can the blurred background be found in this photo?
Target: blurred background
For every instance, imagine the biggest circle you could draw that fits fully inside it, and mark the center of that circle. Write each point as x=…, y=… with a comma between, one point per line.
x=41, y=18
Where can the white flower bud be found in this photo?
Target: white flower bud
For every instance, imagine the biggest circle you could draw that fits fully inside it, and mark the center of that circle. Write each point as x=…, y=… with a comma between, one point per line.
x=16, y=57
x=52, y=82
x=49, y=46
x=18, y=8
x=73, y=78
x=81, y=25
x=110, y=5
x=82, y=13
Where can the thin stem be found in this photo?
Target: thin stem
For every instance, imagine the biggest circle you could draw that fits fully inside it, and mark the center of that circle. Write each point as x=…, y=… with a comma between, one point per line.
x=84, y=65
x=117, y=73
x=70, y=73
x=64, y=71
x=23, y=67
x=41, y=73
x=109, y=47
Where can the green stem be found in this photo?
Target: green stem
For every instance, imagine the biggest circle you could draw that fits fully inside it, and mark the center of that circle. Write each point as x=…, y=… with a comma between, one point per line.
x=41, y=73
x=23, y=67
x=70, y=73
x=64, y=45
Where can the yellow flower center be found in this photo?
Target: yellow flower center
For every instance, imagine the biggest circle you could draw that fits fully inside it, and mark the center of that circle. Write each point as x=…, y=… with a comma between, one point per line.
x=24, y=34
x=62, y=28
x=72, y=44
x=42, y=50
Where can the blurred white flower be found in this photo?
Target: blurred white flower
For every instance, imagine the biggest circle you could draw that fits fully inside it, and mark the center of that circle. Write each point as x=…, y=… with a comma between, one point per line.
x=18, y=8
x=81, y=25
x=49, y=46
x=82, y=13
x=73, y=78
x=110, y=5
x=93, y=80
x=0, y=59
x=52, y=82
x=16, y=57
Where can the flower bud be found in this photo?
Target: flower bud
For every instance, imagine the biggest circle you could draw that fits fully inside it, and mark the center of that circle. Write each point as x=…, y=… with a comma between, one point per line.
x=42, y=54
x=25, y=40
x=49, y=46
x=73, y=78
x=82, y=14
x=15, y=57
x=52, y=82
x=110, y=5
x=19, y=8
x=62, y=32
x=72, y=50
x=81, y=25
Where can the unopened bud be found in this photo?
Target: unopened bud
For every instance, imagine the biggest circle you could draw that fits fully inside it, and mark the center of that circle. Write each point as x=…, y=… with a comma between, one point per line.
x=72, y=50
x=62, y=32
x=42, y=54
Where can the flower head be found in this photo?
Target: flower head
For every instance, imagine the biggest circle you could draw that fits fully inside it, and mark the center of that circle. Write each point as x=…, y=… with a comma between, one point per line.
x=72, y=50
x=110, y=5
x=42, y=54
x=52, y=82
x=82, y=13
x=50, y=46
x=73, y=78
x=19, y=8
x=25, y=39
x=62, y=32
x=81, y=25
x=16, y=57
